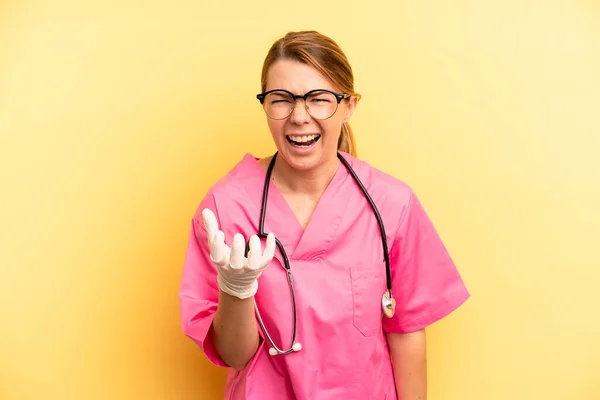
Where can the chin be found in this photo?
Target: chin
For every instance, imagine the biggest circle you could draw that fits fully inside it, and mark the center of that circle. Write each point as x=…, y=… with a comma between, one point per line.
x=301, y=163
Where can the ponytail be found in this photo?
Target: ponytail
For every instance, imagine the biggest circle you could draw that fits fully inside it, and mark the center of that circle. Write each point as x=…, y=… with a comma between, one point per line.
x=346, y=141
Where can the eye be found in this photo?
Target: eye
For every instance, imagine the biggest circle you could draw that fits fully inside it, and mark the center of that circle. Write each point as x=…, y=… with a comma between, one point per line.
x=321, y=98
x=278, y=98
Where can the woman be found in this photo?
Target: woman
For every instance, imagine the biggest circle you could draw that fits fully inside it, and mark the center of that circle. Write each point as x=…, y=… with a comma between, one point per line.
x=350, y=339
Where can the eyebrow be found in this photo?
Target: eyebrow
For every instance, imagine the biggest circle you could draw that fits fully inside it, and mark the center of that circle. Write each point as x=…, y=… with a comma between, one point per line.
x=310, y=90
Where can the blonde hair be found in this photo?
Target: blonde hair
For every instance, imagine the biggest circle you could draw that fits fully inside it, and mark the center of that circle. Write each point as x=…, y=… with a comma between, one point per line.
x=324, y=55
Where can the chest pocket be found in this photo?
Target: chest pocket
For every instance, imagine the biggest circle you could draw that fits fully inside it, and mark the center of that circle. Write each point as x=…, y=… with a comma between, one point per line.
x=368, y=286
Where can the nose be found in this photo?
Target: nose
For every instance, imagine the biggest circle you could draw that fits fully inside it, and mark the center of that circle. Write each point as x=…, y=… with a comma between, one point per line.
x=300, y=114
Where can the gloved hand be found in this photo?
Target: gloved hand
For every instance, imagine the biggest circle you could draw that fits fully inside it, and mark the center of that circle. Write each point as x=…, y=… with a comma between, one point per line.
x=237, y=274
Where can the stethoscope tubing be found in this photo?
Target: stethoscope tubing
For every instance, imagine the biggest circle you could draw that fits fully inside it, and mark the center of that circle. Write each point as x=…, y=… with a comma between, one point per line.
x=286, y=262
x=386, y=255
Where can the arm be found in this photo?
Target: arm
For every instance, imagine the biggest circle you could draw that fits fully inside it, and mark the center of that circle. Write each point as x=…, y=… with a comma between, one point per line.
x=428, y=287
x=217, y=290
x=409, y=361
x=234, y=330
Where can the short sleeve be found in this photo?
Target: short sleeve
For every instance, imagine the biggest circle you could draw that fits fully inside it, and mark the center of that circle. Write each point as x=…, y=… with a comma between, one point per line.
x=199, y=292
x=425, y=282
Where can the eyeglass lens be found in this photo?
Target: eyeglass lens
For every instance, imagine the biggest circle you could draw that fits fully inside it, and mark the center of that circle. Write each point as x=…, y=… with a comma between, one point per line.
x=320, y=105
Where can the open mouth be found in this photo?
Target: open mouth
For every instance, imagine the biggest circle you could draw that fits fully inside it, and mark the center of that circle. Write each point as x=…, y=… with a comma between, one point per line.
x=303, y=141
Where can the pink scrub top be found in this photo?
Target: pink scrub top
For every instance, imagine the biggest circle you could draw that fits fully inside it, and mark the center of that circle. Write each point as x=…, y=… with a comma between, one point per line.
x=339, y=279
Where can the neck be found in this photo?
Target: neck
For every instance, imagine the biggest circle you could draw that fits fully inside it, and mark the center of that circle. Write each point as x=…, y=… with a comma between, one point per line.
x=313, y=182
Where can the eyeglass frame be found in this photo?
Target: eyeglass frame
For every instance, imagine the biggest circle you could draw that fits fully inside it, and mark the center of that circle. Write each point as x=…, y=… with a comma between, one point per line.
x=339, y=97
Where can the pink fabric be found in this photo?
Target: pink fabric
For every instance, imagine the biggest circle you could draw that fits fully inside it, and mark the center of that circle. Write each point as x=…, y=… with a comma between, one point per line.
x=339, y=279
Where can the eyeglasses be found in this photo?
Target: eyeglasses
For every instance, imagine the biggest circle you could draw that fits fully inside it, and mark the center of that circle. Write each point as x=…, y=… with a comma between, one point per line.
x=319, y=103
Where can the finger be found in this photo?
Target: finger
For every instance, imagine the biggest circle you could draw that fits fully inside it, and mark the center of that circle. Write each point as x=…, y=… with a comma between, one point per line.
x=236, y=260
x=217, y=248
x=270, y=248
x=210, y=223
x=254, y=255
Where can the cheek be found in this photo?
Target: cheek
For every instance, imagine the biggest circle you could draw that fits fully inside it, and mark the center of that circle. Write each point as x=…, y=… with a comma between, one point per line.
x=332, y=128
x=276, y=127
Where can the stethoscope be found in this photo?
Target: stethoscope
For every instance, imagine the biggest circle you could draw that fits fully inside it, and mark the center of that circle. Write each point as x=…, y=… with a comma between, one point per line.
x=388, y=303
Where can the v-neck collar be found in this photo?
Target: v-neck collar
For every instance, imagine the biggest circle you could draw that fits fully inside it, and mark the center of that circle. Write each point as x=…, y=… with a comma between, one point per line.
x=312, y=241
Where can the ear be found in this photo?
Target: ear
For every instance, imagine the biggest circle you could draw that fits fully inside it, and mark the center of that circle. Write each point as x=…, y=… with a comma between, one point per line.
x=352, y=102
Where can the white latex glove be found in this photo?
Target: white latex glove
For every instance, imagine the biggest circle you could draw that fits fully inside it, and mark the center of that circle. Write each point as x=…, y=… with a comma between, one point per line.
x=237, y=274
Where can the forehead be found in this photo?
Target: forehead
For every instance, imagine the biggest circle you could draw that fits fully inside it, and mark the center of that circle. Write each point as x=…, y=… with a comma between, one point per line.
x=296, y=77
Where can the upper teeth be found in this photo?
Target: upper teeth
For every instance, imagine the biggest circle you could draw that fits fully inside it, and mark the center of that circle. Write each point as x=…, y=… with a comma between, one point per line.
x=302, y=139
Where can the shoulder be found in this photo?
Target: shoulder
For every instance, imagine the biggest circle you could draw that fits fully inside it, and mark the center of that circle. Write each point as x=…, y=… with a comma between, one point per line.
x=393, y=197
x=380, y=184
x=229, y=186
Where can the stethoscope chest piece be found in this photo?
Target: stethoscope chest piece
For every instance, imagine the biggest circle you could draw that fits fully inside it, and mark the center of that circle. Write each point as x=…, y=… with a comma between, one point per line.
x=388, y=304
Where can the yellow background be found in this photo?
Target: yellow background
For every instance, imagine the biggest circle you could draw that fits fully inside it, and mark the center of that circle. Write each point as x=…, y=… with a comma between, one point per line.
x=115, y=117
